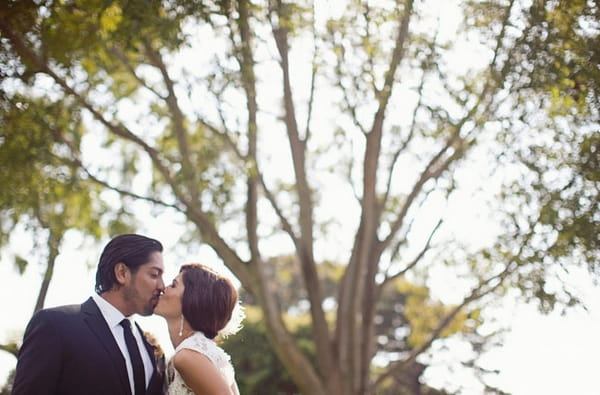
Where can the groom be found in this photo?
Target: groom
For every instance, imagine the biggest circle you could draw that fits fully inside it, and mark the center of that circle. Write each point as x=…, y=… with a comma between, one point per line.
x=93, y=348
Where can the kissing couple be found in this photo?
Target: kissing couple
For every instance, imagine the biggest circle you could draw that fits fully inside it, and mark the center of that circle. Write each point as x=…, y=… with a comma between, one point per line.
x=96, y=348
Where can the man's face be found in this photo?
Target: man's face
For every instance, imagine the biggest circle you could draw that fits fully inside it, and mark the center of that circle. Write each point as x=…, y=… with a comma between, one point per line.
x=144, y=287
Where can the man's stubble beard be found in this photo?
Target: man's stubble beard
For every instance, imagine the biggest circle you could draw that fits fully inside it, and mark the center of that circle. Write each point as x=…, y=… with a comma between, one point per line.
x=131, y=296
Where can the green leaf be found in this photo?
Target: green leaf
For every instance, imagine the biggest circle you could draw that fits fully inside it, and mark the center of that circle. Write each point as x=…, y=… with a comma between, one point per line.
x=20, y=264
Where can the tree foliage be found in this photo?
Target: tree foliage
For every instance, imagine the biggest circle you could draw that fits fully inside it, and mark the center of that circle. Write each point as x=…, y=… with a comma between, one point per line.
x=257, y=367
x=43, y=192
x=551, y=137
x=332, y=134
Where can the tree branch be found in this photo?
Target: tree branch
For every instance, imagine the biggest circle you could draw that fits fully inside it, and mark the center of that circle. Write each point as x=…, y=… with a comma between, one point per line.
x=75, y=160
x=349, y=106
x=477, y=293
x=426, y=175
x=177, y=118
x=414, y=262
x=321, y=333
x=408, y=139
x=359, y=275
x=11, y=348
x=246, y=62
x=52, y=243
x=434, y=168
x=287, y=227
x=116, y=51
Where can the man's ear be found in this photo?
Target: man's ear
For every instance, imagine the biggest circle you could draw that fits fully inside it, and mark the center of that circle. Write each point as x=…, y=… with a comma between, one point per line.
x=122, y=273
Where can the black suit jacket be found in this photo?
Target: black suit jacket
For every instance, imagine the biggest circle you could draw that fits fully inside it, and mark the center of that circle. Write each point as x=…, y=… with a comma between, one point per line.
x=71, y=350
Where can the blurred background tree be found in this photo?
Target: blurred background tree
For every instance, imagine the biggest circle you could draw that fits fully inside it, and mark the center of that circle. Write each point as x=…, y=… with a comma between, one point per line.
x=259, y=371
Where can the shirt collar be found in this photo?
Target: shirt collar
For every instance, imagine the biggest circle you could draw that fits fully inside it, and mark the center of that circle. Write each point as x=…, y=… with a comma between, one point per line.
x=110, y=313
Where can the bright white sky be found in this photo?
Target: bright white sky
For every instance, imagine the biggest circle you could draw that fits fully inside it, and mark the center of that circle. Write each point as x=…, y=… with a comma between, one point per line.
x=550, y=355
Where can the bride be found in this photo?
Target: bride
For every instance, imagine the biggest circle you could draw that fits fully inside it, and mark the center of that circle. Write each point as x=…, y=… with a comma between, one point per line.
x=199, y=305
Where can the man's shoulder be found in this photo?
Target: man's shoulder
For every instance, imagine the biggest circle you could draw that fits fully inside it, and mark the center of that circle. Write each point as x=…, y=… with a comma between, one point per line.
x=65, y=310
x=56, y=318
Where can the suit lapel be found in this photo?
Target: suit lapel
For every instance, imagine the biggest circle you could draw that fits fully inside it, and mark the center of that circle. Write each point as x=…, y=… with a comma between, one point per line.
x=94, y=319
x=148, y=347
x=155, y=386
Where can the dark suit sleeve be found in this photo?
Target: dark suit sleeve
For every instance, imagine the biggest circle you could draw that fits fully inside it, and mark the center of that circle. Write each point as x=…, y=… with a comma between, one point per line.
x=39, y=362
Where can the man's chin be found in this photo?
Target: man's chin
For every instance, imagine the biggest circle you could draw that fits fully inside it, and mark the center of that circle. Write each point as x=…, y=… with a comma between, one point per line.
x=148, y=310
x=151, y=307
x=146, y=313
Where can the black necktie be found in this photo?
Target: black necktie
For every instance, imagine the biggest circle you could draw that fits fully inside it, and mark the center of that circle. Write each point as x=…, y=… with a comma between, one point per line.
x=139, y=379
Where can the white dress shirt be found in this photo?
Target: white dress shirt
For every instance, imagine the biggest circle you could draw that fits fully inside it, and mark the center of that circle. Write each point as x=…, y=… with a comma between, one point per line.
x=113, y=318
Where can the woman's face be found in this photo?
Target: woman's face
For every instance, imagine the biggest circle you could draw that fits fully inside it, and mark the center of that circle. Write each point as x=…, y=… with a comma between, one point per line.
x=169, y=304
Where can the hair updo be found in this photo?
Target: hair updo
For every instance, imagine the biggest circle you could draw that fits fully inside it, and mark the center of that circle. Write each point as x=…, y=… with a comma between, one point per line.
x=208, y=299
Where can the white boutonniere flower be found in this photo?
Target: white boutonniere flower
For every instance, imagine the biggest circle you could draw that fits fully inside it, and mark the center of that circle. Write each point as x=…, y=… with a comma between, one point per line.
x=158, y=351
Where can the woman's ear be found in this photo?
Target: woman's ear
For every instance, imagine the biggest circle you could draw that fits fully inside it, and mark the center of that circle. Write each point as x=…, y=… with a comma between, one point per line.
x=122, y=273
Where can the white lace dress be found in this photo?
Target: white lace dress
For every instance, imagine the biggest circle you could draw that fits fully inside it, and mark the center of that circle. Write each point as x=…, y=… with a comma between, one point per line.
x=200, y=343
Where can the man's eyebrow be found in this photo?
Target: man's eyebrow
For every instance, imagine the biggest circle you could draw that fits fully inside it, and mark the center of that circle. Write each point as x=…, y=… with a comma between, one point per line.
x=158, y=269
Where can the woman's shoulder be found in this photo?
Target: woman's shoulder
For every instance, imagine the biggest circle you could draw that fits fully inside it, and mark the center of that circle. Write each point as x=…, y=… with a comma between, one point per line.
x=186, y=359
x=199, y=373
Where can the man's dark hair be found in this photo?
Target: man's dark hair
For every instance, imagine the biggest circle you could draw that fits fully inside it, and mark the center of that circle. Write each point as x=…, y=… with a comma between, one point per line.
x=130, y=249
x=208, y=299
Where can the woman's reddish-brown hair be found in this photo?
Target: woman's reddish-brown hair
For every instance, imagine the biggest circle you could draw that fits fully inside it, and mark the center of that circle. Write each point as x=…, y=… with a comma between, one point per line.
x=208, y=299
